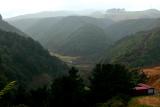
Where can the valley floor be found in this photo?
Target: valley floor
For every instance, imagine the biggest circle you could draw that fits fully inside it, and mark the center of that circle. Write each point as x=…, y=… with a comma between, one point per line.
x=82, y=64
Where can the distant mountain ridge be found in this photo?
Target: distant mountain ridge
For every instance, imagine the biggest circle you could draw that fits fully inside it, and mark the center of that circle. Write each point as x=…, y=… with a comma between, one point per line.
x=114, y=14
x=53, y=33
x=71, y=35
x=124, y=28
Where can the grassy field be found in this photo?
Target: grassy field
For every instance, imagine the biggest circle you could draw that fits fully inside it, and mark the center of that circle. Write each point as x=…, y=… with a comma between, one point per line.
x=145, y=101
x=67, y=59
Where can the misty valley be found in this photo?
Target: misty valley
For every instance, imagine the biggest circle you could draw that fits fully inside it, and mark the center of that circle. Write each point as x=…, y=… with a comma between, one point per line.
x=80, y=59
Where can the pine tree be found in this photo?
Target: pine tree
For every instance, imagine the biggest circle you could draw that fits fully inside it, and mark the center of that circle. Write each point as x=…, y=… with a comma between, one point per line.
x=68, y=90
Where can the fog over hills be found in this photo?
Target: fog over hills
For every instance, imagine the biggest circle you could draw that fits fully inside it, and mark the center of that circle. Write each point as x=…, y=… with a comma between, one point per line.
x=79, y=53
x=109, y=48
x=22, y=58
x=7, y=27
x=122, y=14
x=73, y=35
x=114, y=14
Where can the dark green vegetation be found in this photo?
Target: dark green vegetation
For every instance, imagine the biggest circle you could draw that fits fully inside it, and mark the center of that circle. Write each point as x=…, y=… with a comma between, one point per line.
x=52, y=32
x=83, y=36
x=85, y=39
x=72, y=35
x=140, y=49
x=107, y=82
x=25, y=60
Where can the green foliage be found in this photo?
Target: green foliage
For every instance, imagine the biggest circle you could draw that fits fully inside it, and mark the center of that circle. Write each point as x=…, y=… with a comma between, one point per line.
x=68, y=91
x=88, y=41
x=138, y=76
x=7, y=88
x=40, y=97
x=114, y=102
x=20, y=105
x=73, y=35
x=110, y=80
x=110, y=83
x=22, y=58
x=80, y=35
x=140, y=49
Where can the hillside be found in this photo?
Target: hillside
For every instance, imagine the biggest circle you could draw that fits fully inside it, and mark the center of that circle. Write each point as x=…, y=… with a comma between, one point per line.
x=121, y=29
x=7, y=27
x=140, y=49
x=23, y=24
x=22, y=59
x=71, y=36
x=154, y=76
x=89, y=40
x=53, y=32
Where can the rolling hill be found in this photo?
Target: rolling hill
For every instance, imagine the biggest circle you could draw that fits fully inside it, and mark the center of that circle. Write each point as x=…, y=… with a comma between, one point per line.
x=53, y=32
x=79, y=36
x=140, y=49
x=122, y=29
x=87, y=41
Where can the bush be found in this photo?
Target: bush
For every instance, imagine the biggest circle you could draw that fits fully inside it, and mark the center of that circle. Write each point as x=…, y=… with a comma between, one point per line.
x=114, y=102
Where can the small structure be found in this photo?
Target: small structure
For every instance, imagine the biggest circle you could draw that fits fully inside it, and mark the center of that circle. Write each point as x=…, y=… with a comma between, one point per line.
x=143, y=89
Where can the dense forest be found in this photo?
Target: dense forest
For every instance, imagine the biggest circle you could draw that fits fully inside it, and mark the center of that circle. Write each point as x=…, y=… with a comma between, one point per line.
x=60, y=59
x=23, y=59
x=86, y=37
x=71, y=90
x=140, y=49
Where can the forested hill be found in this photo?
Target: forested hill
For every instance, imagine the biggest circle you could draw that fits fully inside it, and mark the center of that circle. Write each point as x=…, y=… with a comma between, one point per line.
x=22, y=58
x=7, y=27
x=89, y=40
x=140, y=49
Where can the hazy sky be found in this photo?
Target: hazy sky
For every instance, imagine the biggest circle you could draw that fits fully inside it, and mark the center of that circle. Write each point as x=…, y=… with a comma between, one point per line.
x=10, y=8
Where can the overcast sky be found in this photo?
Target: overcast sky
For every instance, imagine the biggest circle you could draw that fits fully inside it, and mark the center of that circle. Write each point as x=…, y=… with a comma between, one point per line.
x=10, y=8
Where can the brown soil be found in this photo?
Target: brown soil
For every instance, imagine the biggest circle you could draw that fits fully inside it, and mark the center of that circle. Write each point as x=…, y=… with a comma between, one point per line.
x=154, y=76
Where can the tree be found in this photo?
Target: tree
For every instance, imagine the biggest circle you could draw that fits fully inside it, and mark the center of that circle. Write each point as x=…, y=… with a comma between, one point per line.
x=68, y=90
x=110, y=80
x=39, y=97
x=7, y=88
